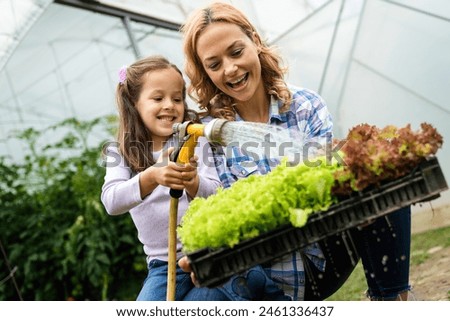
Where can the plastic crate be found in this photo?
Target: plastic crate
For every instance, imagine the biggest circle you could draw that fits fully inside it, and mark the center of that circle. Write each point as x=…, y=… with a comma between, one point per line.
x=426, y=182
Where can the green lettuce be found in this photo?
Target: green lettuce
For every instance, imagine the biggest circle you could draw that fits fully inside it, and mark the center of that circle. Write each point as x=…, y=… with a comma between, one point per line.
x=258, y=204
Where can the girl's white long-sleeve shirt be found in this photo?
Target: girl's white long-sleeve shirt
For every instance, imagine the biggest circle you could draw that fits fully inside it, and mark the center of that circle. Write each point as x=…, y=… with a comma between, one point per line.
x=121, y=194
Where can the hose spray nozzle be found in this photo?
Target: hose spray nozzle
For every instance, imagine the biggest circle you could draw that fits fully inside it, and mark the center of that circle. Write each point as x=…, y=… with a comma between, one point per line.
x=213, y=130
x=188, y=134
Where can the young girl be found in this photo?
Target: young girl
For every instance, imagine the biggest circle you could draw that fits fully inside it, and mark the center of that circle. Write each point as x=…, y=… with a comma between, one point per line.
x=151, y=98
x=235, y=75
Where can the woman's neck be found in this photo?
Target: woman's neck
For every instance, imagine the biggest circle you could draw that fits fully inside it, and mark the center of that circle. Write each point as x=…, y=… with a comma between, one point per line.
x=256, y=109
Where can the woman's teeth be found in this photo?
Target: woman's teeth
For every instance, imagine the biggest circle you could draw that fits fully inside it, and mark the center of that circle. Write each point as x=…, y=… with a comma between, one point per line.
x=238, y=82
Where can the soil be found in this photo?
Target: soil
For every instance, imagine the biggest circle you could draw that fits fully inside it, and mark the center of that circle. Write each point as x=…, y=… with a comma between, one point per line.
x=430, y=280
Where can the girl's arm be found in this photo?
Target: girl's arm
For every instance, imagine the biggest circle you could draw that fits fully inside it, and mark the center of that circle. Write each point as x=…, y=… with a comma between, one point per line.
x=120, y=190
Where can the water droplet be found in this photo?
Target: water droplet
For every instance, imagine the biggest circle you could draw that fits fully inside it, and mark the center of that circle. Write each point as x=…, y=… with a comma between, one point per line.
x=374, y=231
x=403, y=257
x=372, y=275
x=320, y=276
x=378, y=239
x=385, y=269
x=384, y=259
x=394, y=235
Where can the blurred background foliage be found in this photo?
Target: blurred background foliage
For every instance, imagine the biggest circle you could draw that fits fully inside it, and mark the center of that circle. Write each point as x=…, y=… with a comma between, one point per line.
x=57, y=241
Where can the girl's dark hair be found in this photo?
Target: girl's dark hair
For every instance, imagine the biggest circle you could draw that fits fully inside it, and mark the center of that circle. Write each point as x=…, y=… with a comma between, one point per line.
x=202, y=89
x=135, y=140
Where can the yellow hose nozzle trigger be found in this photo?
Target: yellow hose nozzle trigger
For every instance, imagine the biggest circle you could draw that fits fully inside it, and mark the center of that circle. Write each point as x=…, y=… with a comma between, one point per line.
x=188, y=134
x=187, y=150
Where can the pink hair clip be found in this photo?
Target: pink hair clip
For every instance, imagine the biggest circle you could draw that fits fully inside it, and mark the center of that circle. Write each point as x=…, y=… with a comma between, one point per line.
x=122, y=74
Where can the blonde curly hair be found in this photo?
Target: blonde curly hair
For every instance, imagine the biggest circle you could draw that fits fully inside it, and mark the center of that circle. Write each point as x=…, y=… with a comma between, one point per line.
x=201, y=88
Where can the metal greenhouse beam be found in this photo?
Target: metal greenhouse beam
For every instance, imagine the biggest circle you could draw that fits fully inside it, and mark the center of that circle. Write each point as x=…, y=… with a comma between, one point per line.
x=134, y=44
x=99, y=7
x=330, y=49
x=295, y=26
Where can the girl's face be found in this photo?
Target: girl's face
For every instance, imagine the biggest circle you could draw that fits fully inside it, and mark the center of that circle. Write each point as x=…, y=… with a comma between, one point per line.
x=161, y=103
x=231, y=60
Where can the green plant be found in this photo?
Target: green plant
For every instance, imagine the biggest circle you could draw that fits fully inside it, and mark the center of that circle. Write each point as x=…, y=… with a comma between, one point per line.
x=354, y=288
x=54, y=228
x=257, y=204
x=373, y=155
x=422, y=242
x=289, y=194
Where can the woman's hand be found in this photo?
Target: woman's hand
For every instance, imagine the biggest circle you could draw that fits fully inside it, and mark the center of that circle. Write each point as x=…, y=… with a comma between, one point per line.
x=186, y=267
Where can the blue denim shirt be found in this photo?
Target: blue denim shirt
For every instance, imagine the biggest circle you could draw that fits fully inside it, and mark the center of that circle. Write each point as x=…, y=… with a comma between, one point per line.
x=308, y=118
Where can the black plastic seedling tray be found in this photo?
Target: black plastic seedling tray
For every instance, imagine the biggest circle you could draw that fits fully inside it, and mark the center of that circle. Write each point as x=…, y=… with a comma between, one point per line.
x=426, y=182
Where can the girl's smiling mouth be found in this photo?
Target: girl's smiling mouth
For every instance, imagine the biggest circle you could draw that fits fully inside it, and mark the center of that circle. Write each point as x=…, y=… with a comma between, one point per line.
x=166, y=118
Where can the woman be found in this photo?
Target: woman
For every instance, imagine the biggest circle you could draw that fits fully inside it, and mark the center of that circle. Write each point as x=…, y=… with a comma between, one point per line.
x=236, y=76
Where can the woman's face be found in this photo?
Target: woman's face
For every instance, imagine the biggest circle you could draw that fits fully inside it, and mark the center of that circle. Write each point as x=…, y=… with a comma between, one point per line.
x=231, y=60
x=161, y=103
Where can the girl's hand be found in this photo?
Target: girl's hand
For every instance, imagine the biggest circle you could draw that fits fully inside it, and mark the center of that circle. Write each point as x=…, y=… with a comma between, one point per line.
x=167, y=172
x=190, y=177
x=170, y=174
x=164, y=172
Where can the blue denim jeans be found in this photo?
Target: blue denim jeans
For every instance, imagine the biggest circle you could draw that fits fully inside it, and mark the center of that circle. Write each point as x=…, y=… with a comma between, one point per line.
x=253, y=285
x=155, y=286
x=384, y=247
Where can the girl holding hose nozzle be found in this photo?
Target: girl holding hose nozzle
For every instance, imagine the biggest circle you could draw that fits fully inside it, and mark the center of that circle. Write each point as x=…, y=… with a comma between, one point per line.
x=151, y=99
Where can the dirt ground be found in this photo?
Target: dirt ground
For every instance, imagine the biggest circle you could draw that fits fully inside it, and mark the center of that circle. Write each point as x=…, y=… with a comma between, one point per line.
x=431, y=279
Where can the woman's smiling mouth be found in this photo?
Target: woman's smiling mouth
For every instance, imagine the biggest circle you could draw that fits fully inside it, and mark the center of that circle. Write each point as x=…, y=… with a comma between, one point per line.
x=238, y=82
